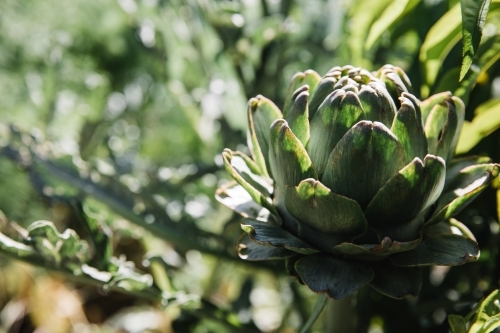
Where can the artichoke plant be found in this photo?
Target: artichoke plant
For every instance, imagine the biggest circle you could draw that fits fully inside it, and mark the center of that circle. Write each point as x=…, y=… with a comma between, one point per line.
x=353, y=182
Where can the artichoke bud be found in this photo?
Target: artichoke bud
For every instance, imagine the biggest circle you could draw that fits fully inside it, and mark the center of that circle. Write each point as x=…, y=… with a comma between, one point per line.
x=344, y=81
x=261, y=114
x=440, y=128
x=394, y=84
x=309, y=78
x=339, y=112
x=291, y=157
x=407, y=126
x=377, y=103
x=366, y=76
x=405, y=80
x=416, y=105
x=335, y=74
x=361, y=76
x=351, y=87
x=324, y=88
x=345, y=69
x=298, y=116
x=353, y=71
x=312, y=196
x=352, y=182
x=427, y=105
x=299, y=91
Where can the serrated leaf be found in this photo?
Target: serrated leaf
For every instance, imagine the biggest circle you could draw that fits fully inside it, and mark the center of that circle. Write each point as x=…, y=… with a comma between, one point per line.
x=473, y=19
x=59, y=248
x=15, y=248
x=125, y=276
x=100, y=233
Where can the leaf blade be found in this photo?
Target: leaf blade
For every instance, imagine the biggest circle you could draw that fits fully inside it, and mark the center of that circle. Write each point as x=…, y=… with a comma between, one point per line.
x=473, y=18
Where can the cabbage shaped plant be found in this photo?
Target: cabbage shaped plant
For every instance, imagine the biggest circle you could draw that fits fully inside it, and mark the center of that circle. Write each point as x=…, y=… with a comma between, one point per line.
x=352, y=182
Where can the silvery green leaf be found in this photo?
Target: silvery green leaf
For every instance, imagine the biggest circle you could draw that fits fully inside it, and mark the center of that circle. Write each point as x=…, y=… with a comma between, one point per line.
x=257, y=186
x=235, y=197
x=61, y=249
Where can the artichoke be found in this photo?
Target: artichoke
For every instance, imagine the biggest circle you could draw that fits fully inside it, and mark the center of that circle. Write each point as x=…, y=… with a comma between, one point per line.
x=353, y=182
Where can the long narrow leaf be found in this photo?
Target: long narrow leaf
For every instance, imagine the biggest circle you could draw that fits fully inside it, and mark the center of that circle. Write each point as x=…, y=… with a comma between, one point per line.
x=486, y=121
x=437, y=44
x=392, y=14
x=363, y=14
x=473, y=18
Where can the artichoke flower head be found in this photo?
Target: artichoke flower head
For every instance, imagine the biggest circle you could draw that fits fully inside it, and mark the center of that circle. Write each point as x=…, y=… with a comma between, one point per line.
x=352, y=182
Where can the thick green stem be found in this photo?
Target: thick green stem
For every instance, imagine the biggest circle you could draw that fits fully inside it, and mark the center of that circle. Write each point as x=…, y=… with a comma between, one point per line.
x=318, y=308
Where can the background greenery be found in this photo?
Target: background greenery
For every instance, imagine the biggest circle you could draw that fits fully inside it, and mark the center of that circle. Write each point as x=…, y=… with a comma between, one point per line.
x=112, y=112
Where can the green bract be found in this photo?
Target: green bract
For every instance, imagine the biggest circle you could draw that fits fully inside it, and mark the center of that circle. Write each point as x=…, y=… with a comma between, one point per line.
x=352, y=182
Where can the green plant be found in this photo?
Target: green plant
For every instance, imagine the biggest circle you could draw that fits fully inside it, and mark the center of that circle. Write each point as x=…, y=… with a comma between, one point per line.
x=353, y=183
x=112, y=113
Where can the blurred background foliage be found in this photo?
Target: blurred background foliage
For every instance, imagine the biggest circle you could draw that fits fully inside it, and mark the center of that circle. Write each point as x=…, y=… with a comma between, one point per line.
x=112, y=112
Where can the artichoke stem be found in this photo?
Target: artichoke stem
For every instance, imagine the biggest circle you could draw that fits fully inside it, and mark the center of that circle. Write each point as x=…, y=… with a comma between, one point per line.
x=316, y=312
